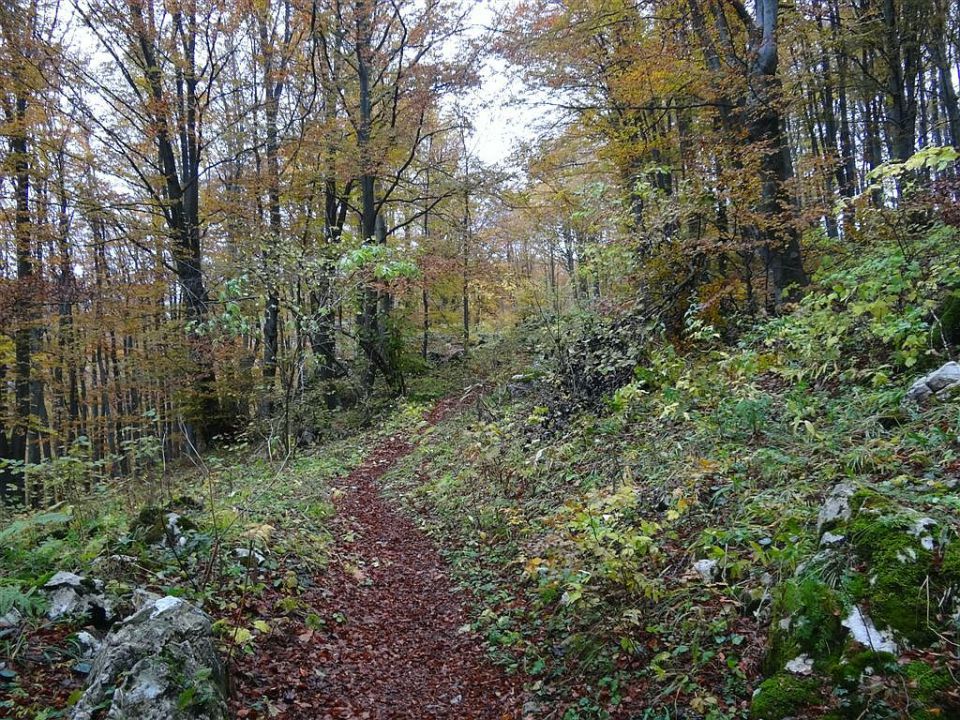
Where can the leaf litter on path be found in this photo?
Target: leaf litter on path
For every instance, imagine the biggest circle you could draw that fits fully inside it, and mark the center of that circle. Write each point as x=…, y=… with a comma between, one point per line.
x=392, y=641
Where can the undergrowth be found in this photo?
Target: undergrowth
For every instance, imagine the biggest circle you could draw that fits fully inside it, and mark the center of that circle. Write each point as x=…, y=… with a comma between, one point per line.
x=579, y=529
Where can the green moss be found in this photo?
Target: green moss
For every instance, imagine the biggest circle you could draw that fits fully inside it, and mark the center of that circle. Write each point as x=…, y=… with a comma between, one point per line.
x=950, y=567
x=925, y=682
x=814, y=612
x=893, y=585
x=850, y=669
x=865, y=499
x=152, y=522
x=783, y=695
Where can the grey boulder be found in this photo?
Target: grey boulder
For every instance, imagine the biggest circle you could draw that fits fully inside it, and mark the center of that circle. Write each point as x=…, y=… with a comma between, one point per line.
x=159, y=664
x=940, y=382
x=69, y=595
x=835, y=508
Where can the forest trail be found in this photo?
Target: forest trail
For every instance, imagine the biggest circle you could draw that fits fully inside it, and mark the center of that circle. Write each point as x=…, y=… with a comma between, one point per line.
x=396, y=647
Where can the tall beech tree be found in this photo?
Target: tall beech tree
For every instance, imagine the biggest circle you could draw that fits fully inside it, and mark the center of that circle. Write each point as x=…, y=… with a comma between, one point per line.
x=165, y=68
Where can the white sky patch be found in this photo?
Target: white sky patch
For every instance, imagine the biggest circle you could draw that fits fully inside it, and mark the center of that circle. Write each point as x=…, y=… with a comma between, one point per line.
x=501, y=118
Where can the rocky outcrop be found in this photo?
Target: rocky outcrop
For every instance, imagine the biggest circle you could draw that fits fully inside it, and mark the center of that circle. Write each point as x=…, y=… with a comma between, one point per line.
x=835, y=508
x=884, y=579
x=159, y=664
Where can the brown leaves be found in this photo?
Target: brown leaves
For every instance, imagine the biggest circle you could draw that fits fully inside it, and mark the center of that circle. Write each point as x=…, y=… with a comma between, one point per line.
x=390, y=646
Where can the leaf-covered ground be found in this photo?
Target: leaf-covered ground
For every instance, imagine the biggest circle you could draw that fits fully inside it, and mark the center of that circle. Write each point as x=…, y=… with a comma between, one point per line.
x=391, y=636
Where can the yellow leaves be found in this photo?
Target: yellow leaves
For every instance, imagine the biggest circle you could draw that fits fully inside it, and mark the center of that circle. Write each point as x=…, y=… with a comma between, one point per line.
x=355, y=572
x=241, y=636
x=259, y=533
x=707, y=465
x=703, y=703
x=681, y=505
x=532, y=566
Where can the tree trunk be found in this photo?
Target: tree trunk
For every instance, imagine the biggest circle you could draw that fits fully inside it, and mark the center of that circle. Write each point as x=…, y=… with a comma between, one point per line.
x=19, y=447
x=182, y=210
x=780, y=242
x=273, y=89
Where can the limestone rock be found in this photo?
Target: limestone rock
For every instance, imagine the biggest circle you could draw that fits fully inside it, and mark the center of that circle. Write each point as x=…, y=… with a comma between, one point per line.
x=88, y=644
x=142, y=597
x=836, y=508
x=707, y=569
x=11, y=619
x=867, y=634
x=70, y=595
x=800, y=665
x=159, y=664
x=940, y=382
x=249, y=558
x=922, y=530
x=828, y=538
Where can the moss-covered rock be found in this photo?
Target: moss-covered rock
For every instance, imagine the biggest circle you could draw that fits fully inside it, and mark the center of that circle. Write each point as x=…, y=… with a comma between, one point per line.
x=950, y=567
x=156, y=524
x=926, y=681
x=895, y=582
x=783, y=695
x=926, y=686
x=854, y=665
x=867, y=500
x=809, y=615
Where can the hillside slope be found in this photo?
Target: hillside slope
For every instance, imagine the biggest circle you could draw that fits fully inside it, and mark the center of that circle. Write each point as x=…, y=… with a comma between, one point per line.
x=761, y=529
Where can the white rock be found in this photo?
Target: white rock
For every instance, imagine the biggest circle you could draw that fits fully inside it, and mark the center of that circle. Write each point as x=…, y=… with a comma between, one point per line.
x=11, y=619
x=64, y=601
x=249, y=556
x=173, y=528
x=940, y=381
x=867, y=634
x=836, y=507
x=944, y=376
x=829, y=538
x=65, y=579
x=921, y=530
x=149, y=661
x=165, y=604
x=142, y=598
x=89, y=645
x=69, y=594
x=706, y=569
x=919, y=391
x=800, y=665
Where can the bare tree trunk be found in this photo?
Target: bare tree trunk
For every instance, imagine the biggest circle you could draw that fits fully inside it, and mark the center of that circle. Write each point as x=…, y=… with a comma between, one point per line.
x=182, y=212
x=939, y=55
x=15, y=487
x=780, y=245
x=273, y=90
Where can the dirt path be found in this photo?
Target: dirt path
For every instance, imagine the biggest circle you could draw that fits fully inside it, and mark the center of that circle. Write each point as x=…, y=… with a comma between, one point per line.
x=394, y=645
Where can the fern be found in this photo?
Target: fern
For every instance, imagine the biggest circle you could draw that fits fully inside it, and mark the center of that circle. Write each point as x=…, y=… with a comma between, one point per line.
x=28, y=602
x=19, y=526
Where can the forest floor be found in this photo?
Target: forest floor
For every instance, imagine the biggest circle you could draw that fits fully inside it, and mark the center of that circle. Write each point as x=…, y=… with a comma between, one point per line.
x=400, y=645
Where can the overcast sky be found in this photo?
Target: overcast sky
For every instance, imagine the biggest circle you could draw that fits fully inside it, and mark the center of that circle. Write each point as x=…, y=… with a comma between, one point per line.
x=499, y=120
